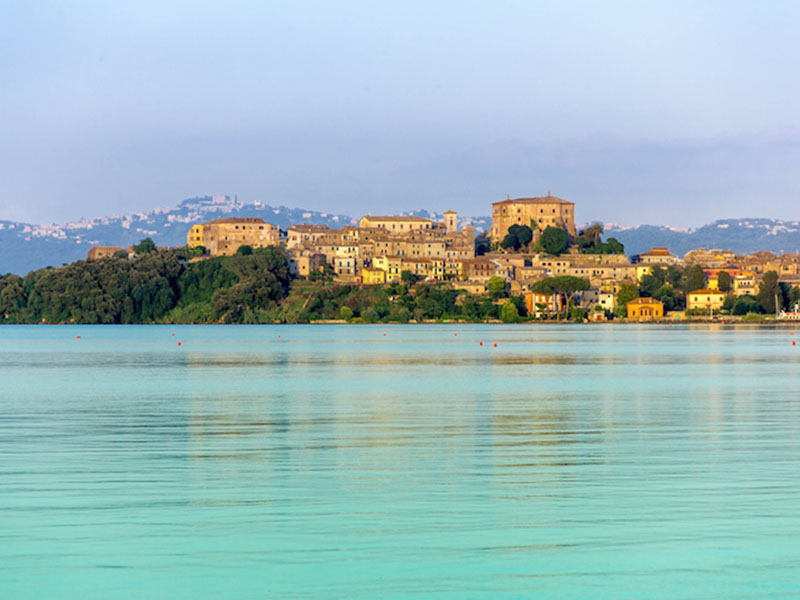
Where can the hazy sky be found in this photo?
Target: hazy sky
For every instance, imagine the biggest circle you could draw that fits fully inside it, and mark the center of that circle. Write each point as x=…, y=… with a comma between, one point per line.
x=640, y=112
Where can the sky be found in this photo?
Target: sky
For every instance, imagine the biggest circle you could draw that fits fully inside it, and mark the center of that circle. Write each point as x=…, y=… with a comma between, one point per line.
x=674, y=113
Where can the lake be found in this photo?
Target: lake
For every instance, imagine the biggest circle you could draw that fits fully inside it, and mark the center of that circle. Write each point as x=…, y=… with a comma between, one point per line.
x=395, y=461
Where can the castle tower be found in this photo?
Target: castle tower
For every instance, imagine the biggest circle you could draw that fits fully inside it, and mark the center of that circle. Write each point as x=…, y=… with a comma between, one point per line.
x=451, y=221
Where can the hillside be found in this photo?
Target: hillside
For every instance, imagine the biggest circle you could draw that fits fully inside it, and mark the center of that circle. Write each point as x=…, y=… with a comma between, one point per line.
x=25, y=246
x=743, y=236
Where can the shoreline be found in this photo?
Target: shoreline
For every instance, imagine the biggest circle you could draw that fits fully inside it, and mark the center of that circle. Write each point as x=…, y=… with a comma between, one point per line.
x=616, y=322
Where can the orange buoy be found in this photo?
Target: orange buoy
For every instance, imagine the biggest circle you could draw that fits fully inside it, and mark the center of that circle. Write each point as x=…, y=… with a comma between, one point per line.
x=78, y=337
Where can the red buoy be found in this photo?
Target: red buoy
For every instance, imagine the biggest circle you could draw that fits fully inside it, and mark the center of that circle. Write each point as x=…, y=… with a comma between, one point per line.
x=794, y=343
x=481, y=344
x=179, y=343
x=455, y=334
x=172, y=334
x=384, y=335
x=495, y=345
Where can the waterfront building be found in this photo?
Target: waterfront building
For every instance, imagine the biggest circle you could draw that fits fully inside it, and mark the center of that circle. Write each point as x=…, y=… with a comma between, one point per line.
x=645, y=309
x=745, y=282
x=705, y=299
x=594, y=297
x=541, y=304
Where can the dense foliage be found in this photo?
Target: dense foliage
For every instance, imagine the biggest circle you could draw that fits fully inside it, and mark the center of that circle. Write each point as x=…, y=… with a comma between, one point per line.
x=517, y=237
x=158, y=286
x=588, y=241
x=554, y=240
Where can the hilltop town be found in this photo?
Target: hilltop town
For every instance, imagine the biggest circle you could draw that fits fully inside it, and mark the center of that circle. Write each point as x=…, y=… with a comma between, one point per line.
x=532, y=257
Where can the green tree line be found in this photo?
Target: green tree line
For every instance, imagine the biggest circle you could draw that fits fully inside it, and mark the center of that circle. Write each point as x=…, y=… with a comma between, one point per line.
x=158, y=286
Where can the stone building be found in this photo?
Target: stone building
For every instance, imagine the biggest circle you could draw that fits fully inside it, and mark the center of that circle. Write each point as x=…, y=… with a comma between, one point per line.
x=96, y=252
x=546, y=211
x=223, y=237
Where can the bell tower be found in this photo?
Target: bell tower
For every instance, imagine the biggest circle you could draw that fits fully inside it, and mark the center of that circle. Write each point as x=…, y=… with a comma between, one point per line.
x=451, y=221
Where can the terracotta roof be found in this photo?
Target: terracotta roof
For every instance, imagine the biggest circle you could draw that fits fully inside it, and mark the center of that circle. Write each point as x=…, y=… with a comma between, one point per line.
x=239, y=220
x=539, y=200
x=643, y=301
x=707, y=291
x=657, y=252
x=391, y=218
x=305, y=227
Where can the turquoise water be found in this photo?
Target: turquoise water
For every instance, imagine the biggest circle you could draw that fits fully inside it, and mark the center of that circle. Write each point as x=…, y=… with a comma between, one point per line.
x=336, y=462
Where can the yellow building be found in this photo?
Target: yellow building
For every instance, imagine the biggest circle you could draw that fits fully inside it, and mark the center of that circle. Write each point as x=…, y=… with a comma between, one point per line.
x=445, y=268
x=389, y=264
x=373, y=276
x=395, y=224
x=645, y=309
x=705, y=299
x=547, y=211
x=223, y=237
x=422, y=268
x=745, y=283
x=642, y=270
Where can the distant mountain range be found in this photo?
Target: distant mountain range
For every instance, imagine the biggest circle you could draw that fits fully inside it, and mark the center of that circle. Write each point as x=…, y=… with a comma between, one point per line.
x=25, y=246
x=743, y=236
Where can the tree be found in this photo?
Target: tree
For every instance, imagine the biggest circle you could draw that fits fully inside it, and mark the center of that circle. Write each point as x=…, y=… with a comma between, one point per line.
x=408, y=277
x=626, y=293
x=794, y=297
x=615, y=246
x=745, y=304
x=768, y=290
x=724, y=281
x=244, y=250
x=518, y=236
x=346, y=313
x=496, y=286
x=510, y=241
x=562, y=284
x=146, y=246
x=554, y=240
x=694, y=278
x=649, y=285
x=509, y=313
x=666, y=295
x=523, y=232
x=589, y=237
